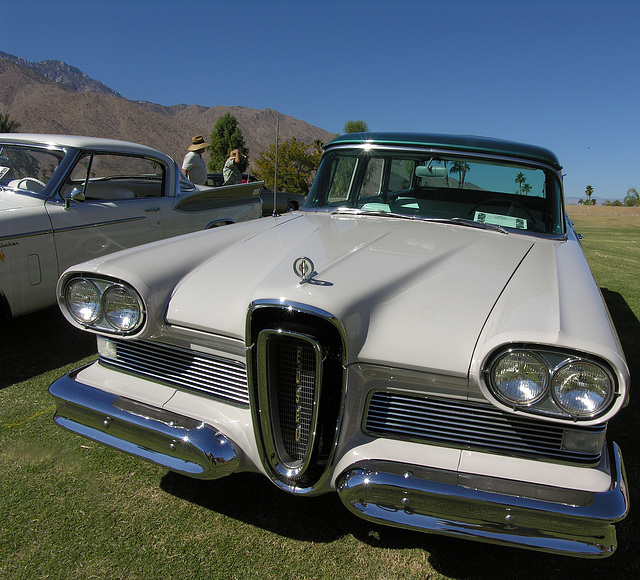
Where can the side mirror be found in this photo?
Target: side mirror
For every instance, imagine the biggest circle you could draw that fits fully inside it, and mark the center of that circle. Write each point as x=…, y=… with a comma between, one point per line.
x=75, y=195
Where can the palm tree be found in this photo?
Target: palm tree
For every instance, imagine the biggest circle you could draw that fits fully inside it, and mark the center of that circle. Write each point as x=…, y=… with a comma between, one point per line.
x=8, y=125
x=520, y=179
x=632, y=198
x=461, y=168
x=526, y=188
x=589, y=192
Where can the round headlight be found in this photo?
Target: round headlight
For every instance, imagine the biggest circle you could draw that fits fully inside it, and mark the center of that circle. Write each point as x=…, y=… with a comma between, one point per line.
x=519, y=377
x=582, y=389
x=82, y=298
x=121, y=308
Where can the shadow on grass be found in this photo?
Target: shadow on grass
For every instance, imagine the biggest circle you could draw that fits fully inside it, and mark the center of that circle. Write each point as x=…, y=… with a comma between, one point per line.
x=39, y=342
x=255, y=501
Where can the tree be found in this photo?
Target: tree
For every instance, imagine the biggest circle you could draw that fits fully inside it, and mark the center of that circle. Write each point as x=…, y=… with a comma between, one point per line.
x=461, y=168
x=632, y=198
x=588, y=192
x=226, y=137
x=297, y=164
x=355, y=127
x=8, y=125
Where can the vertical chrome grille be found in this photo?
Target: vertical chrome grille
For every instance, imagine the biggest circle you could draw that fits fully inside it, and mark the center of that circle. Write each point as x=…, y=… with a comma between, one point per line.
x=289, y=390
x=296, y=363
x=295, y=373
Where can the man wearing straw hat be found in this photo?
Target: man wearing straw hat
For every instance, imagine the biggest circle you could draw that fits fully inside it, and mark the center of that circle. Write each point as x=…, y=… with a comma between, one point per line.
x=193, y=166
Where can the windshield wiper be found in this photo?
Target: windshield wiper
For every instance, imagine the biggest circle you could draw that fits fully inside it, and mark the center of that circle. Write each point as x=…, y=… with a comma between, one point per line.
x=467, y=222
x=453, y=220
x=372, y=212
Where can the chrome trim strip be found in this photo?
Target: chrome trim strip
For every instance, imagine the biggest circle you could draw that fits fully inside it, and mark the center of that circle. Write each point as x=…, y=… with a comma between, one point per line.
x=33, y=234
x=484, y=509
x=461, y=152
x=100, y=224
x=167, y=439
x=70, y=228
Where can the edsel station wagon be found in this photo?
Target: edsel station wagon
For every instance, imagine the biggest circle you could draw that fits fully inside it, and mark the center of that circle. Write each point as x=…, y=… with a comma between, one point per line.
x=66, y=199
x=424, y=338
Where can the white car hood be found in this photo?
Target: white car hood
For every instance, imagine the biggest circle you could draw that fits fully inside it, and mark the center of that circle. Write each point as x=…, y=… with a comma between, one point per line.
x=10, y=200
x=409, y=294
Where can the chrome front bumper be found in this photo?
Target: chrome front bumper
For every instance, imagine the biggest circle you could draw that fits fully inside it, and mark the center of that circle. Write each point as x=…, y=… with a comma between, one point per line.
x=485, y=509
x=511, y=513
x=173, y=441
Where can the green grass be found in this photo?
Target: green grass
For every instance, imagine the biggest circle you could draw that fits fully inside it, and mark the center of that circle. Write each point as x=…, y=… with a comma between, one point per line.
x=70, y=508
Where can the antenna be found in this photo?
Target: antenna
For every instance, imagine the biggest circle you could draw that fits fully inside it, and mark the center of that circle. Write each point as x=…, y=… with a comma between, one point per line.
x=275, y=170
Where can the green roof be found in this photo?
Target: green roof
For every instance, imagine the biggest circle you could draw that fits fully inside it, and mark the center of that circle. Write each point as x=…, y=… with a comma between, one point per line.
x=470, y=143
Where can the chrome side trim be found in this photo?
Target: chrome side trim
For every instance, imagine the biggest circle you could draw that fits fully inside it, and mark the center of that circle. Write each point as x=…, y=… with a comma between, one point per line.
x=91, y=226
x=480, y=508
x=170, y=440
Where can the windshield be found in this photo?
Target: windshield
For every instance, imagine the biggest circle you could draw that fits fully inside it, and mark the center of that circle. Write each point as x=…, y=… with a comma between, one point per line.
x=27, y=168
x=427, y=185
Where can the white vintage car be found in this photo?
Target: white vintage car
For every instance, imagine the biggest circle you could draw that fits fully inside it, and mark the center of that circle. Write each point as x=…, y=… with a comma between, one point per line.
x=424, y=338
x=65, y=199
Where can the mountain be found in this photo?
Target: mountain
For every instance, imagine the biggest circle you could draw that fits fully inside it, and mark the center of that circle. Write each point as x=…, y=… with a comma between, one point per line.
x=61, y=73
x=63, y=100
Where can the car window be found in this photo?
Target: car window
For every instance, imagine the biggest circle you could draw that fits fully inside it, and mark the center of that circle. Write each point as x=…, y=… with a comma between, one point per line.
x=27, y=168
x=343, y=172
x=487, y=190
x=104, y=176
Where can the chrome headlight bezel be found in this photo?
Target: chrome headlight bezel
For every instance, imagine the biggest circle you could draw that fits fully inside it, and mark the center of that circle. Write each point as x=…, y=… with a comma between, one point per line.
x=549, y=399
x=104, y=315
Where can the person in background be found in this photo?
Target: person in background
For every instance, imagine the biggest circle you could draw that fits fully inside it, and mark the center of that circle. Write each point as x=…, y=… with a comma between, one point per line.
x=231, y=171
x=193, y=166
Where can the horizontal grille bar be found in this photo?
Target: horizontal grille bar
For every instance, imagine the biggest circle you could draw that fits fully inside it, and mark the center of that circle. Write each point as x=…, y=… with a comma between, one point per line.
x=182, y=368
x=468, y=425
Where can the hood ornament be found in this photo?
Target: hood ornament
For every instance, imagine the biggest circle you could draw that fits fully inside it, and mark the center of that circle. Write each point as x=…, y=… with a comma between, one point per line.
x=303, y=268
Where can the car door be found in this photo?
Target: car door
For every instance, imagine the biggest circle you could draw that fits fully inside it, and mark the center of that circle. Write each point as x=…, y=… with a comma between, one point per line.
x=108, y=202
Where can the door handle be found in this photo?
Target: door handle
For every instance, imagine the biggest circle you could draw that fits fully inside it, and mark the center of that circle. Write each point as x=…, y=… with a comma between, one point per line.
x=151, y=209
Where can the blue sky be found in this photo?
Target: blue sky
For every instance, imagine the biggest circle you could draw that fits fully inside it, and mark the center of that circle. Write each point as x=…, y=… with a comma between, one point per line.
x=563, y=74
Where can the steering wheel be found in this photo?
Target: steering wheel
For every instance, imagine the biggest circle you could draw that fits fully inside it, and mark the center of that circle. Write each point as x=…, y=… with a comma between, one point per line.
x=512, y=203
x=28, y=183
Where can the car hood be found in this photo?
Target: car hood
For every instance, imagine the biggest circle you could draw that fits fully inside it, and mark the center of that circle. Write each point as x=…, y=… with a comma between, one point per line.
x=407, y=293
x=12, y=200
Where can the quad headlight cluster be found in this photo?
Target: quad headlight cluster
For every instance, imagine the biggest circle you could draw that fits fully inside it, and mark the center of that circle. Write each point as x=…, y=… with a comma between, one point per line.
x=551, y=383
x=103, y=305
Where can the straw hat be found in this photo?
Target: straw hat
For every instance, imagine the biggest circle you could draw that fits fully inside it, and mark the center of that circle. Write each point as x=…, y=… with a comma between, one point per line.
x=198, y=143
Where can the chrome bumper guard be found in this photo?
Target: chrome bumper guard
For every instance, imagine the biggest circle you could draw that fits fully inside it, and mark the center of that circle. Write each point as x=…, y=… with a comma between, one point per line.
x=172, y=441
x=486, y=509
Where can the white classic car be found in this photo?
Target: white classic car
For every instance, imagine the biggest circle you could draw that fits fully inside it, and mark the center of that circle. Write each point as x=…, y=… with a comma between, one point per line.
x=424, y=338
x=65, y=199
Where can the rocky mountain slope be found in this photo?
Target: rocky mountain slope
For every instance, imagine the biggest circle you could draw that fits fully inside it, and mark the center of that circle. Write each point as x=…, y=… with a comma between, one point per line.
x=75, y=104
x=61, y=73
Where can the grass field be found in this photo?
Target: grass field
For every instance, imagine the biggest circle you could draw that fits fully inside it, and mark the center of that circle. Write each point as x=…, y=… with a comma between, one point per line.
x=72, y=509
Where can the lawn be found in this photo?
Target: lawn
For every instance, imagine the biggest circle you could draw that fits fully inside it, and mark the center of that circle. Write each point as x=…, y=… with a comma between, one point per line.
x=72, y=509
